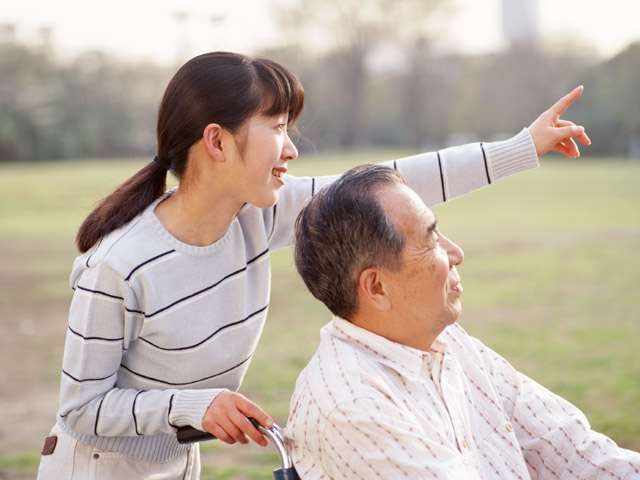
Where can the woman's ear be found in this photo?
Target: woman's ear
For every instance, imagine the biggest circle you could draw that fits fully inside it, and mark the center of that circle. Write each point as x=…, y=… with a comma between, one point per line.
x=212, y=138
x=372, y=289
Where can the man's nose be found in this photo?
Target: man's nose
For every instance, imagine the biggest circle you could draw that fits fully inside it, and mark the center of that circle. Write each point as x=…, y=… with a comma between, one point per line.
x=454, y=252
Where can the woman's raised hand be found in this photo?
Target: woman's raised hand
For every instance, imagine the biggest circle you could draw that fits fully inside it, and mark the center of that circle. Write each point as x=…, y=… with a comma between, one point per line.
x=550, y=132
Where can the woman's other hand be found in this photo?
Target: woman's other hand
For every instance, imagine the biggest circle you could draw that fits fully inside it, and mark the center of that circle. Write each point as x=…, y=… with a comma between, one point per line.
x=226, y=418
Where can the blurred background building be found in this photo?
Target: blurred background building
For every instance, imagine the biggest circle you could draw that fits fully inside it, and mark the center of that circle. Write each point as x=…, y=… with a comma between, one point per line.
x=520, y=23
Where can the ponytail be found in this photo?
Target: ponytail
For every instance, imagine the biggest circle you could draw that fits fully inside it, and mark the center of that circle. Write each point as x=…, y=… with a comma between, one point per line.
x=122, y=206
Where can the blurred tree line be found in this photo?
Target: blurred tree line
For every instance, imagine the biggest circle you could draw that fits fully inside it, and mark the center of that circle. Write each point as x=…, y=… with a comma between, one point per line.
x=440, y=101
x=92, y=106
x=372, y=87
x=412, y=96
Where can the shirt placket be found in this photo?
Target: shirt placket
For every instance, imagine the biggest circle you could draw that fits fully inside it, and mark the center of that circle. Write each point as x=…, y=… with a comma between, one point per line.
x=446, y=376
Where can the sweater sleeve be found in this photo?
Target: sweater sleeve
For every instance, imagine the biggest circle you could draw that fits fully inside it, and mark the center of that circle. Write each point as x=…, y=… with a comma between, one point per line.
x=437, y=177
x=440, y=176
x=103, y=321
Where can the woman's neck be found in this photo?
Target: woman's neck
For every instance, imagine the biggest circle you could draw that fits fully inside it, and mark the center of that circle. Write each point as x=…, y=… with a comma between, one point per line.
x=196, y=218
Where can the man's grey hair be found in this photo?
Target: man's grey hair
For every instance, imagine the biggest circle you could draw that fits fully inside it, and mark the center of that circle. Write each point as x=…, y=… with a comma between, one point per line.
x=344, y=230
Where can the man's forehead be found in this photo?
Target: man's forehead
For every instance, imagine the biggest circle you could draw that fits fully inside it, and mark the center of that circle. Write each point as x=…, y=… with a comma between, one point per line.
x=403, y=203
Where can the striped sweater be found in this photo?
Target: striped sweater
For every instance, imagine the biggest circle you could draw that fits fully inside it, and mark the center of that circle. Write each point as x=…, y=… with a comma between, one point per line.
x=157, y=328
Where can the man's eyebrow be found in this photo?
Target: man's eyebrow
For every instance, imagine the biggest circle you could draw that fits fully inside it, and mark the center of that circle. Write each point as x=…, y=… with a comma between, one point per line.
x=431, y=228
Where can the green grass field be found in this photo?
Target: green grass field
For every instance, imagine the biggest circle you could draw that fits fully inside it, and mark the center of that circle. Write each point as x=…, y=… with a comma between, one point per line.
x=550, y=278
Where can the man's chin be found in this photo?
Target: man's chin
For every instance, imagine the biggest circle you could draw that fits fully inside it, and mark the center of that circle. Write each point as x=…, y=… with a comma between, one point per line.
x=454, y=314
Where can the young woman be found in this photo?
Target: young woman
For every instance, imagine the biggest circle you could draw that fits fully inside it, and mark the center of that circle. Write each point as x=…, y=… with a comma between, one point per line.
x=172, y=287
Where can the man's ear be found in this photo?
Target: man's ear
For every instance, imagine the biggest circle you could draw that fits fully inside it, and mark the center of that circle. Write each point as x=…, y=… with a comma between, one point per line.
x=372, y=289
x=212, y=138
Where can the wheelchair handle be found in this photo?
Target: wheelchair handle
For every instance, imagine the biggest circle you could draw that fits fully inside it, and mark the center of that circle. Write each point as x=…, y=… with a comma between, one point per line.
x=190, y=434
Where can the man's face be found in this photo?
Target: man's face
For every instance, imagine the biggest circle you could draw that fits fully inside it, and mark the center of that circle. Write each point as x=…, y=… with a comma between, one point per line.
x=425, y=293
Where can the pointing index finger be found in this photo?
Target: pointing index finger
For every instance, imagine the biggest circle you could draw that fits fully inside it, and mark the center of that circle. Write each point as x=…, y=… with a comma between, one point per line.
x=561, y=105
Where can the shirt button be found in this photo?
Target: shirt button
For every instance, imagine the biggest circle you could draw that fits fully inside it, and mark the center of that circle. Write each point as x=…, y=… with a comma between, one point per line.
x=96, y=456
x=509, y=427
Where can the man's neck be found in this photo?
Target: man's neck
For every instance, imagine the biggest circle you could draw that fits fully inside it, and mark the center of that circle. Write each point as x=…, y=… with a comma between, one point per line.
x=388, y=328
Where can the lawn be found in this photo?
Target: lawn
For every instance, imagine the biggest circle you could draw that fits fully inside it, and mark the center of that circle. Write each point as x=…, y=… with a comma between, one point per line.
x=550, y=277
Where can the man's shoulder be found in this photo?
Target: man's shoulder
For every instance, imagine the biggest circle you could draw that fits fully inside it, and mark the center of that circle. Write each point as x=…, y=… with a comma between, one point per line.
x=335, y=362
x=340, y=373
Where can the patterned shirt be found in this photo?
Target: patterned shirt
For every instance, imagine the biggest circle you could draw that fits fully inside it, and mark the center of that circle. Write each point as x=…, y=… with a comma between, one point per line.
x=368, y=408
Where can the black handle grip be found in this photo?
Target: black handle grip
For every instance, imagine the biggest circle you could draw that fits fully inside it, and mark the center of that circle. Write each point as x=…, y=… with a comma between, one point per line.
x=190, y=434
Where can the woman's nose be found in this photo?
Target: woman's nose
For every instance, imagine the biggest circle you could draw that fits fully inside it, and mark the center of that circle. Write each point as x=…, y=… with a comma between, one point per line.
x=289, y=150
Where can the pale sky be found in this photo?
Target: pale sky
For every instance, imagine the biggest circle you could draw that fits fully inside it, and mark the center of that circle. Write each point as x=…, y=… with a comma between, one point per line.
x=136, y=29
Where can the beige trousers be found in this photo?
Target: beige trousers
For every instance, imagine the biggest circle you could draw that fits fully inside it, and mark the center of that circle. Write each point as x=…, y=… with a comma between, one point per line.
x=74, y=460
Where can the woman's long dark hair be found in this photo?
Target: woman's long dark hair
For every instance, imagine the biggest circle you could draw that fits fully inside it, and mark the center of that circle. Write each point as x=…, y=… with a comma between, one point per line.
x=219, y=87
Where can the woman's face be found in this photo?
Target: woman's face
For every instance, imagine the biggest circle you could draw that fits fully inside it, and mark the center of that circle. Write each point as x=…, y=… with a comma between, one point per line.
x=263, y=150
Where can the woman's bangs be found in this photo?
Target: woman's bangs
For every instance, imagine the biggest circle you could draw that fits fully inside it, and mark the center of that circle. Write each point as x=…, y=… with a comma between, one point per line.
x=282, y=92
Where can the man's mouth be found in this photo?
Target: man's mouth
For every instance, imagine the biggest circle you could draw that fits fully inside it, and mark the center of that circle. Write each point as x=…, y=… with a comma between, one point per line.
x=454, y=281
x=276, y=172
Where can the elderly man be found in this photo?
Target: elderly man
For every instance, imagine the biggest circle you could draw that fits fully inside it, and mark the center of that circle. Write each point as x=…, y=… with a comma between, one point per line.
x=397, y=388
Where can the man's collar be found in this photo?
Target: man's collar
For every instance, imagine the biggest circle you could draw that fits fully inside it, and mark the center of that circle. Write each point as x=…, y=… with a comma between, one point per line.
x=405, y=360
